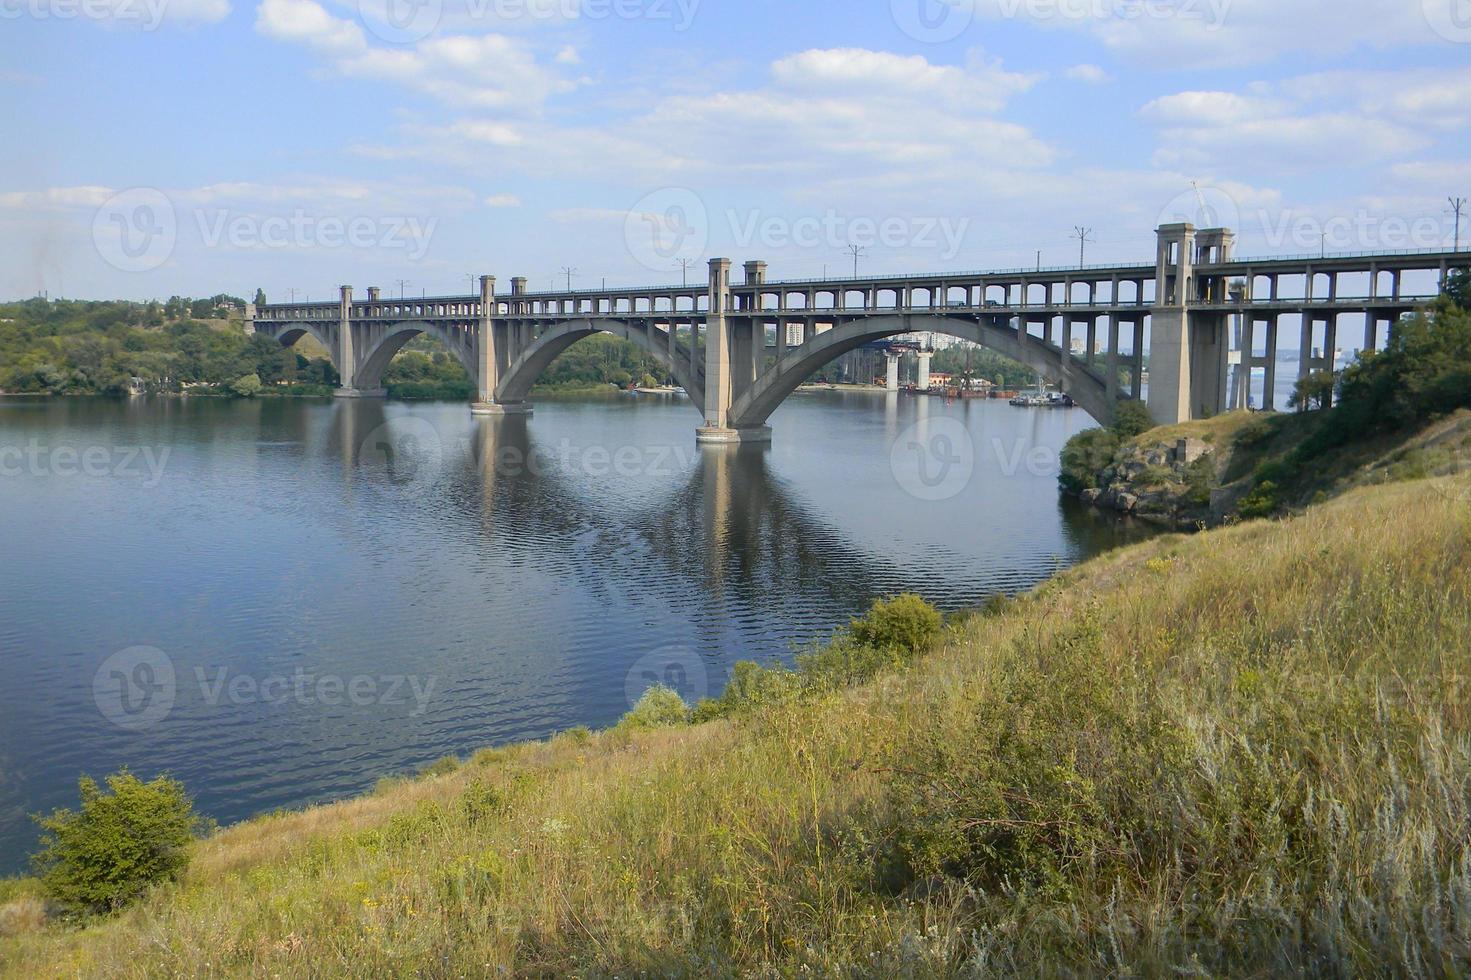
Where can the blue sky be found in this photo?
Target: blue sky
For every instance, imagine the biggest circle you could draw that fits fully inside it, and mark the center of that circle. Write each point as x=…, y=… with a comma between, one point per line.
x=195, y=146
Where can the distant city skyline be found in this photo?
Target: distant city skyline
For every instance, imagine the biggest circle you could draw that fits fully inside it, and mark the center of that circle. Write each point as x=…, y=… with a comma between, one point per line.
x=622, y=140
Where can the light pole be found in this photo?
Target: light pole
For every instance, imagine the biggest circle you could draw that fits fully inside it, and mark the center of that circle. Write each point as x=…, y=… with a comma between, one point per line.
x=401, y=284
x=684, y=270
x=856, y=251
x=1084, y=236
x=1458, y=205
x=569, y=272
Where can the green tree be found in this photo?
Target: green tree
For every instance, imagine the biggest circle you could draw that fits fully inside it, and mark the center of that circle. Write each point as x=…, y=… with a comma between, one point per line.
x=1131, y=418
x=107, y=853
x=246, y=386
x=1315, y=391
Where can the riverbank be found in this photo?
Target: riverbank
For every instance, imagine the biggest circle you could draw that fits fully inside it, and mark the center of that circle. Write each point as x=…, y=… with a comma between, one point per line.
x=1144, y=765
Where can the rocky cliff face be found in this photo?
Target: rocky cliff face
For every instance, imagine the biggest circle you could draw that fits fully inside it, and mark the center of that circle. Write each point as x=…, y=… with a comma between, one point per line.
x=1166, y=483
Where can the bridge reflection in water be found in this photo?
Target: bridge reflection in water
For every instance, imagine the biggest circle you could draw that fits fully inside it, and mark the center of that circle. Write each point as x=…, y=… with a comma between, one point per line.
x=357, y=539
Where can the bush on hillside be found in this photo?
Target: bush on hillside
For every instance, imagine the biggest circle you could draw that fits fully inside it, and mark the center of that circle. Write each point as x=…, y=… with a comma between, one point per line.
x=1131, y=418
x=660, y=707
x=906, y=623
x=118, y=844
x=1084, y=459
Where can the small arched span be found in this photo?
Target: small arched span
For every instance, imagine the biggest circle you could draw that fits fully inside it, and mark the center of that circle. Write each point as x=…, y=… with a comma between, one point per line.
x=516, y=385
x=288, y=335
x=375, y=360
x=757, y=403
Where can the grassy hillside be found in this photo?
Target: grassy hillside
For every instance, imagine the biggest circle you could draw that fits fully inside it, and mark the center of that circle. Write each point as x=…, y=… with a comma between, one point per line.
x=1243, y=752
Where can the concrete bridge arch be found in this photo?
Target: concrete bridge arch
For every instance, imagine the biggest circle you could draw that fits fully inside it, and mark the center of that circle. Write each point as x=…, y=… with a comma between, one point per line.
x=517, y=381
x=383, y=342
x=751, y=408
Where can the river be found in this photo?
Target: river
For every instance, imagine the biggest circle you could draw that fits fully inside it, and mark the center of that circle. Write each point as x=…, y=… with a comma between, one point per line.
x=279, y=601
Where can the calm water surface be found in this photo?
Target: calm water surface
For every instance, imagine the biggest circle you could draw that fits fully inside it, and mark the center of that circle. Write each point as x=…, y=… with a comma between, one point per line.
x=347, y=590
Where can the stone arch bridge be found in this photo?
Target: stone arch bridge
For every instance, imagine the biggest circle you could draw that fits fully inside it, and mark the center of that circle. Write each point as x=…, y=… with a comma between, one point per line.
x=1205, y=317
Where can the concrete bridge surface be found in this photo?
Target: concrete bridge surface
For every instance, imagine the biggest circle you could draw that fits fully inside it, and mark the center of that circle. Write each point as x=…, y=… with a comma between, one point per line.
x=1206, y=318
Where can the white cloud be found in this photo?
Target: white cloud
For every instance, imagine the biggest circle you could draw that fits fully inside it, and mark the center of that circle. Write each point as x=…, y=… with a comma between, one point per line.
x=56, y=197
x=503, y=201
x=569, y=56
x=484, y=71
x=1215, y=33
x=305, y=22
x=1310, y=121
x=1091, y=74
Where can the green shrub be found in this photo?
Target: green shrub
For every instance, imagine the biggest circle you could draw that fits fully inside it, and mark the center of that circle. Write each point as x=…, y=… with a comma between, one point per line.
x=1258, y=432
x=905, y=622
x=106, y=854
x=441, y=767
x=1261, y=502
x=1200, y=480
x=660, y=707
x=1154, y=476
x=1084, y=459
x=1130, y=418
x=246, y=386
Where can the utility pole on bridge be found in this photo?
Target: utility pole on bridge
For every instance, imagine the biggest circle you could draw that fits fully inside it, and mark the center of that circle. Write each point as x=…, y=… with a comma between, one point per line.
x=1084, y=236
x=1458, y=205
x=856, y=250
x=569, y=272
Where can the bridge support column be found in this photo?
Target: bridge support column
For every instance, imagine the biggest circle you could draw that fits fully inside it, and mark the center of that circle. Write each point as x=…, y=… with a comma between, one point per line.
x=922, y=382
x=347, y=354
x=891, y=378
x=719, y=345
x=490, y=338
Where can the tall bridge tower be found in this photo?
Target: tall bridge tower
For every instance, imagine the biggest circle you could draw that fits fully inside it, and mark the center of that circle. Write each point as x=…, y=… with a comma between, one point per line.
x=1190, y=348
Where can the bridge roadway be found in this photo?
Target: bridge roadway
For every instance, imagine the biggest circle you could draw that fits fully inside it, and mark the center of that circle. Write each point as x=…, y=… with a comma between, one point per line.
x=739, y=349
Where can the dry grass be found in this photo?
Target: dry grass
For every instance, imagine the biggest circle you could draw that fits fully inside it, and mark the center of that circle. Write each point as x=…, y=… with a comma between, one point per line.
x=1256, y=741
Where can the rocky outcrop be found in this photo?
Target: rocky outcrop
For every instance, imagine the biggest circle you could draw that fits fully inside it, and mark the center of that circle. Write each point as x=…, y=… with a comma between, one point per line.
x=1157, y=483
